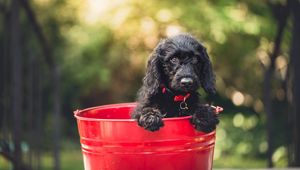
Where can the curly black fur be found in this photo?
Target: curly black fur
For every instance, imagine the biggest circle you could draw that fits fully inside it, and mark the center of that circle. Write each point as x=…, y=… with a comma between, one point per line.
x=172, y=60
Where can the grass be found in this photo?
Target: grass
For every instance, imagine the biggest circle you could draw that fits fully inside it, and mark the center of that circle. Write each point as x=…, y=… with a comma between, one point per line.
x=239, y=162
x=70, y=160
x=4, y=165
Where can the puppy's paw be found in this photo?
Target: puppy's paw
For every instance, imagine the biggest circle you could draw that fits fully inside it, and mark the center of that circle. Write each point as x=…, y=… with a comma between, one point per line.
x=151, y=119
x=205, y=120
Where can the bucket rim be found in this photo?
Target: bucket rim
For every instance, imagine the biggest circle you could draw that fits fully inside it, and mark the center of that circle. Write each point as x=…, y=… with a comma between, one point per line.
x=117, y=105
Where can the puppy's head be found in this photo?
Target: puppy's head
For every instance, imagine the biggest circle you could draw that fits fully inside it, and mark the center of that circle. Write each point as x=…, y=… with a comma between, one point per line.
x=181, y=64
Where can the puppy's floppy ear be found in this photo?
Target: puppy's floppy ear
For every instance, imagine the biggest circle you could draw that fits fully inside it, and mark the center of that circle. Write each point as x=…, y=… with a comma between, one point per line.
x=207, y=76
x=152, y=79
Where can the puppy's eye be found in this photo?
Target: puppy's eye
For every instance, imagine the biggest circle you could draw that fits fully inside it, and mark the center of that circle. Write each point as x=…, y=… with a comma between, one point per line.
x=174, y=60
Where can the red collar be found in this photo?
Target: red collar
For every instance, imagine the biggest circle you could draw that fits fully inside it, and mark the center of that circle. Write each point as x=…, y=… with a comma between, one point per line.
x=177, y=98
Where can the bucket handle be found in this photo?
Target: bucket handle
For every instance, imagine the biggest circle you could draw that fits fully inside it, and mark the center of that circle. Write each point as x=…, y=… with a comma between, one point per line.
x=218, y=109
x=76, y=112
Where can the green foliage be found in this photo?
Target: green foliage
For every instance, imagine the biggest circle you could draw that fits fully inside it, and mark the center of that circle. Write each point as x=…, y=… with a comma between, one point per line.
x=111, y=52
x=103, y=48
x=240, y=134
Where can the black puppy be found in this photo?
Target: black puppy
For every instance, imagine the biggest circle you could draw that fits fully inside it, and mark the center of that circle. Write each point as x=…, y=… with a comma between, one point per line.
x=176, y=69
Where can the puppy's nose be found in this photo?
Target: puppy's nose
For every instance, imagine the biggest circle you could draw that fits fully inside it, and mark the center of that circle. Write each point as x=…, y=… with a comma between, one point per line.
x=186, y=81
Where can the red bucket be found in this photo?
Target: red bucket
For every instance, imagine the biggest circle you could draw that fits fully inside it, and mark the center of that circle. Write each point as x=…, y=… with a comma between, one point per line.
x=110, y=140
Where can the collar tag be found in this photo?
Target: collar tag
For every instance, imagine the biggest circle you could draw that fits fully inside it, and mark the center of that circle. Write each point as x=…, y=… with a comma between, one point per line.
x=183, y=106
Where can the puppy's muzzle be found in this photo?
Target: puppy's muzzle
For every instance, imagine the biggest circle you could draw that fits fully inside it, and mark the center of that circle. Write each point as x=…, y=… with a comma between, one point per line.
x=186, y=81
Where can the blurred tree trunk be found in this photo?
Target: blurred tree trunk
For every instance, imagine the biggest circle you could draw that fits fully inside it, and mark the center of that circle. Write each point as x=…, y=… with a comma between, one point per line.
x=4, y=73
x=17, y=93
x=295, y=85
x=55, y=72
x=39, y=117
x=57, y=102
x=2, y=78
x=29, y=105
x=33, y=113
x=281, y=14
x=35, y=120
